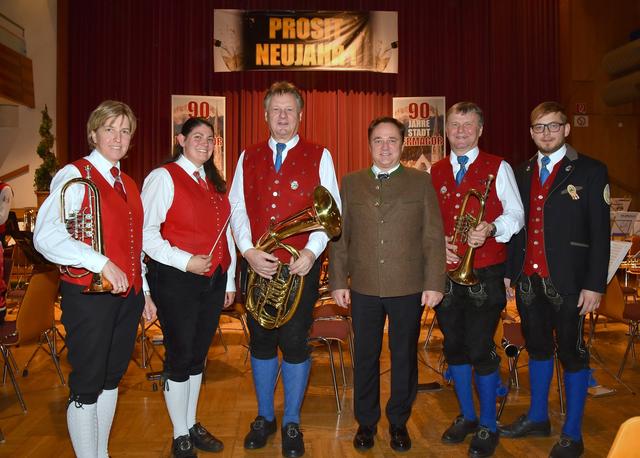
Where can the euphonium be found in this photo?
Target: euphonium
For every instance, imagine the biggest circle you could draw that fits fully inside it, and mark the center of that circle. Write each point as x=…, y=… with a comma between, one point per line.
x=86, y=225
x=463, y=274
x=273, y=302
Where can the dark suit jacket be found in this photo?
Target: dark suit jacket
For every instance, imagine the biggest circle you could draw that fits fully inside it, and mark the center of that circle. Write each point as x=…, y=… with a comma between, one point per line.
x=576, y=232
x=392, y=243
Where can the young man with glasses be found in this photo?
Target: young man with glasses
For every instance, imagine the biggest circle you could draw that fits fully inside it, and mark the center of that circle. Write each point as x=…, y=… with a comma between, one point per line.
x=558, y=266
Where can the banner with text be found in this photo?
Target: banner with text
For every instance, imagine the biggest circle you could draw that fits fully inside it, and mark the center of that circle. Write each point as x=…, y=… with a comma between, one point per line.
x=424, y=118
x=210, y=108
x=305, y=40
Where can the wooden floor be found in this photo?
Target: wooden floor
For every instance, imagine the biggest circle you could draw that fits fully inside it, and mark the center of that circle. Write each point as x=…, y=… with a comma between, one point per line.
x=227, y=406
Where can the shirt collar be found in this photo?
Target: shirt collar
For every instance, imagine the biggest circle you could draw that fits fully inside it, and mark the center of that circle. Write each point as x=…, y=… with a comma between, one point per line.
x=472, y=154
x=290, y=144
x=554, y=157
x=102, y=164
x=376, y=170
x=189, y=166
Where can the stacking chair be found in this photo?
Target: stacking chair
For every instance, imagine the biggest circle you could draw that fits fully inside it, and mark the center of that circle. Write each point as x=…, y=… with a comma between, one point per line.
x=332, y=324
x=34, y=323
x=237, y=312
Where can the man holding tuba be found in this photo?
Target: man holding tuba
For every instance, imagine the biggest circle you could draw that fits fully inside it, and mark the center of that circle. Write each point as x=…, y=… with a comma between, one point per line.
x=99, y=202
x=469, y=313
x=274, y=179
x=391, y=248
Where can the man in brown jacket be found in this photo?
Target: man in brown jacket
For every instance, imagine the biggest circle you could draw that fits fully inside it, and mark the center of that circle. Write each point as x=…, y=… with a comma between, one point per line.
x=392, y=250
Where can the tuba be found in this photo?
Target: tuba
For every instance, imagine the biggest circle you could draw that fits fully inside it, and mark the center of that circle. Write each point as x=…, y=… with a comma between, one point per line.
x=86, y=225
x=273, y=302
x=463, y=274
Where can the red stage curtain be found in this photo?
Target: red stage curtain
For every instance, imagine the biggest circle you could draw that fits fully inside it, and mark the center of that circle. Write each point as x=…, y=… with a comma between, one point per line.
x=502, y=54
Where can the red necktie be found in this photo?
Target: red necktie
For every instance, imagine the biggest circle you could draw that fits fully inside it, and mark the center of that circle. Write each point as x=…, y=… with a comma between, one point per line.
x=117, y=185
x=201, y=182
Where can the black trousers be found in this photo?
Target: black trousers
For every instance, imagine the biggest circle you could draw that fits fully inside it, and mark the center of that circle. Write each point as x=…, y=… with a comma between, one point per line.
x=292, y=337
x=468, y=317
x=100, y=334
x=542, y=311
x=369, y=314
x=189, y=307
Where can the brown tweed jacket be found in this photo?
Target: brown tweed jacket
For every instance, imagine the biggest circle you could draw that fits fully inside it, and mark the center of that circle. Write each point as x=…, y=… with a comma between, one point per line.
x=392, y=242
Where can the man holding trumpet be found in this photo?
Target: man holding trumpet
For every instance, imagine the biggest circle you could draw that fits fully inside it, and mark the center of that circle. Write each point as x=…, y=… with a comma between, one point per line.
x=468, y=314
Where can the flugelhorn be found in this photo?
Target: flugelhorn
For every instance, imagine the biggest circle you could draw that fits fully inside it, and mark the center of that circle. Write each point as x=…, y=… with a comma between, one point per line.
x=273, y=302
x=85, y=225
x=463, y=274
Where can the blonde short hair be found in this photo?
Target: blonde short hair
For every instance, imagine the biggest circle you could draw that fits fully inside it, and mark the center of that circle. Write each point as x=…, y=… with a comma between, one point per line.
x=109, y=109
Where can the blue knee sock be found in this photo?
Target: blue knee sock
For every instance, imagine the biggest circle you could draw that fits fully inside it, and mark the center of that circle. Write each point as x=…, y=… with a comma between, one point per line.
x=540, y=375
x=487, y=386
x=265, y=372
x=575, y=388
x=461, y=375
x=294, y=377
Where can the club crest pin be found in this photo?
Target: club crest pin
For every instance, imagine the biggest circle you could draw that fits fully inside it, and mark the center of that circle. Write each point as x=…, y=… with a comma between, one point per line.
x=294, y=185
x=568, y=168
x=573, y=192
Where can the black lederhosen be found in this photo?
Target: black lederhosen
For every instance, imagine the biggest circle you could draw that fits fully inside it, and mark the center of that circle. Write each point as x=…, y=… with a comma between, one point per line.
x=189, y=307
x=292, y=337
x=100, y=334
x=468, y=317
x=542, y=311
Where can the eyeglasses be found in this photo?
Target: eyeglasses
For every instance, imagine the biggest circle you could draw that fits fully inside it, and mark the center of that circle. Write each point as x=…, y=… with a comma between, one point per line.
x=552, y=126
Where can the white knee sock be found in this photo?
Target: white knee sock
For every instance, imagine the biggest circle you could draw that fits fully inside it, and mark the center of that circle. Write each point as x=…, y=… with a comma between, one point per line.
x=105, y=411
x=194, y=392
x=176, y=396
x=82, y=423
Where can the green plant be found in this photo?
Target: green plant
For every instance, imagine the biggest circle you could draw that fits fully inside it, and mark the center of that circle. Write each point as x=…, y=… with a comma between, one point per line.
x=49, y=166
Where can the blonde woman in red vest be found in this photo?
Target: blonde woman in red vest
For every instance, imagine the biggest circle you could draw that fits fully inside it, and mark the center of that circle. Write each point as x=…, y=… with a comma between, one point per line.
x=191, y=272
x=100, y=328
x=274, y=179
x=6, y=200
x=468, y=315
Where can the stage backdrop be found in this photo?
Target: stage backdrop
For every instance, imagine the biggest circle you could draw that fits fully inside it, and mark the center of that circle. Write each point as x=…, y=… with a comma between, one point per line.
x=502, y=54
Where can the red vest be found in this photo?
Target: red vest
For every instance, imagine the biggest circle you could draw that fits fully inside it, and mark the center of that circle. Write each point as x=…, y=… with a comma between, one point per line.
x=121, y=227
x=451, y=196
x=197, y=219
x=2, y=226
x=535, y=260
x=271, y=197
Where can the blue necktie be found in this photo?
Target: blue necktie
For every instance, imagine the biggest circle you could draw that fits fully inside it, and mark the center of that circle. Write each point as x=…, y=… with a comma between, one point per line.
x=544, y=171
x=462, y=160
x=279, y=149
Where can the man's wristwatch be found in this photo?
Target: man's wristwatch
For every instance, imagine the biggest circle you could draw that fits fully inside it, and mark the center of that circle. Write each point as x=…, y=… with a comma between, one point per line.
x=492, y=232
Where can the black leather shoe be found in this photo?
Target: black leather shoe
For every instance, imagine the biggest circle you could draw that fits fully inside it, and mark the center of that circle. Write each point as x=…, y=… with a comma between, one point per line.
x=400, y=440
x=183, y=447
x=459, y=429
x=292, y=443
x=260, y=431
x=483, y=443
x=567, y=448
x=204, y=440
x=524, y=427
x=363, y=439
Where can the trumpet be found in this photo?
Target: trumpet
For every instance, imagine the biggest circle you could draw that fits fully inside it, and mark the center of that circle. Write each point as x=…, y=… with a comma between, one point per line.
x=85, y=225
x=463, y=274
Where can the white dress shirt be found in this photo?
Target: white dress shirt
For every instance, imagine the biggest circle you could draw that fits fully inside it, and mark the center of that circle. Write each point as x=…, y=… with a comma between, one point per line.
x=50, y=236
x=554, y=158
x=240, y=220
x=512, y=218
x=157, y=198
